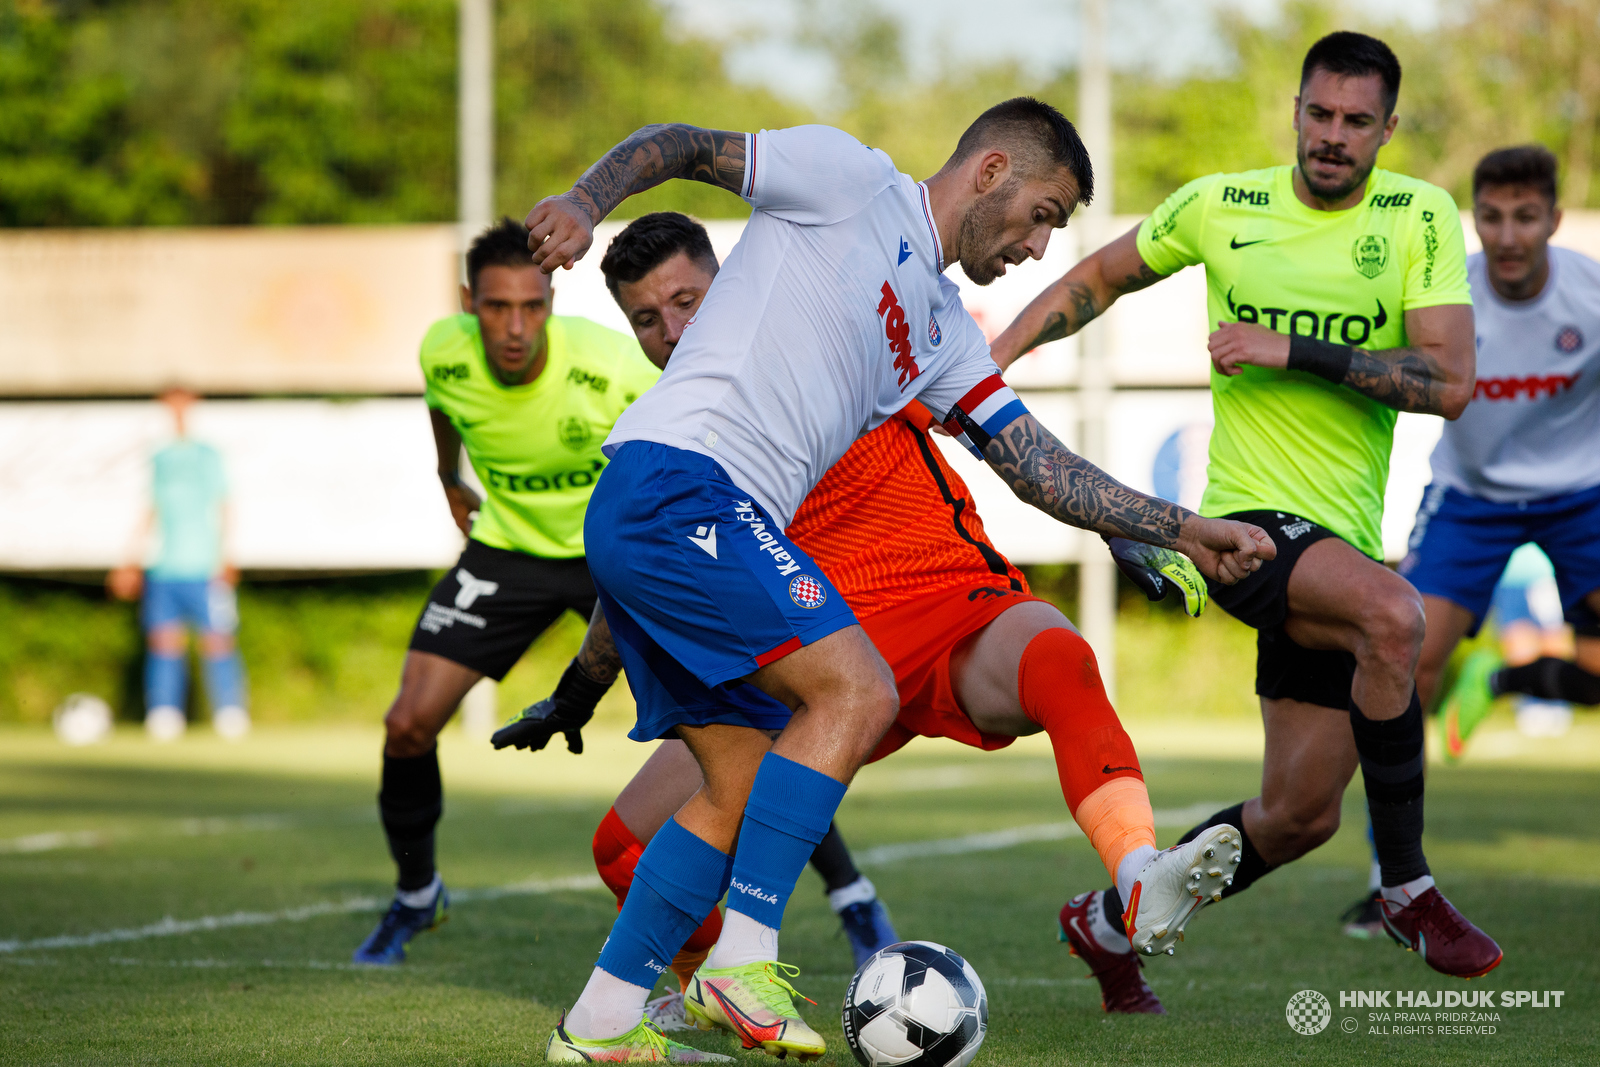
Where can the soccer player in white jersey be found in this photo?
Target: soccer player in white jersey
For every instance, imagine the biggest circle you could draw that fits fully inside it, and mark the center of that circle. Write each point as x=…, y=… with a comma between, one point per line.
x=1523, y=463
x=830, y=315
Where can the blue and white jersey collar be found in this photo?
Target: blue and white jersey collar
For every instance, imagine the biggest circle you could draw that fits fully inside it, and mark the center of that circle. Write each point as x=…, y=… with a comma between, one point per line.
x=933, y=229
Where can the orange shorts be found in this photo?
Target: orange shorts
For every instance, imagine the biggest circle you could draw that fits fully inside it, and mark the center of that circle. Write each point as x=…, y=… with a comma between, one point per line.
x=917, y=638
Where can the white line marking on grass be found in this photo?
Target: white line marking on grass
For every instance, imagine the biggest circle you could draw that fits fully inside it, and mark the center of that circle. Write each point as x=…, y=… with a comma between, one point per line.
x=195, y=827
x=52, y=841
x=995, y=840
x=881, y=855
x=170, y=927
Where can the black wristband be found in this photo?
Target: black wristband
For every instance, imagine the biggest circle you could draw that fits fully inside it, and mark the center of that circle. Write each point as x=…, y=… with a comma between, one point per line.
x=1322, y=358
x=577, y=692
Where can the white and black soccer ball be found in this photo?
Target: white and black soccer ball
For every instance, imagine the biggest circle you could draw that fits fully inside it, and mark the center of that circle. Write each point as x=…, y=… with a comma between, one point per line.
x=915, y=1002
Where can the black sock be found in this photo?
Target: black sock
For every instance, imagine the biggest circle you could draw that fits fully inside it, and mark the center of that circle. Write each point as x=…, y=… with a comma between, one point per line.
x=1391, y=767
x=1251, y=865
x=410, y=802
x=1549, y=679
x=832, y=860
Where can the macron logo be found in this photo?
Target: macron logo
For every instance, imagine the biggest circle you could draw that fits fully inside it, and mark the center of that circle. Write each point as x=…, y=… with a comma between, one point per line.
x=706, y=539
x=472, y=588
x=905, y=252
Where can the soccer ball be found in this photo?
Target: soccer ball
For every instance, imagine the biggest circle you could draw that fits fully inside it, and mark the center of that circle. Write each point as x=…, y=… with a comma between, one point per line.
x=915, y=1002
x=82, y=719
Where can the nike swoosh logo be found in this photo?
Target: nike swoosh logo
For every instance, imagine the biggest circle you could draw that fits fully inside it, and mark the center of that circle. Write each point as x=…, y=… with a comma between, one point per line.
x=1236, y=243
x=1108, y=769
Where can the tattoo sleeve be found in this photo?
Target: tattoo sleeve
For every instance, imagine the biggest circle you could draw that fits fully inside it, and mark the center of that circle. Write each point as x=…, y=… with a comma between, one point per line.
x=1406, y=379
x=598, y=657
x=1044, y=473
x=1083, y=308
x=655, y=153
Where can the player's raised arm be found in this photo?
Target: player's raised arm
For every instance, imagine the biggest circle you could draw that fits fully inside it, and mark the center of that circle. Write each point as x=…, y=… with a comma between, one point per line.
x=1078, y=296
x=1434, y=374
x=1045, y=473
x=561, y=228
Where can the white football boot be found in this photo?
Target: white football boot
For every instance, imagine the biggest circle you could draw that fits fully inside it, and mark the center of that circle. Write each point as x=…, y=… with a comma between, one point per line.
x=1177, y=883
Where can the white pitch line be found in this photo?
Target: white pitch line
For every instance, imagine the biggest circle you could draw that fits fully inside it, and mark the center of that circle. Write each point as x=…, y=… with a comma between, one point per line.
x=878, y=856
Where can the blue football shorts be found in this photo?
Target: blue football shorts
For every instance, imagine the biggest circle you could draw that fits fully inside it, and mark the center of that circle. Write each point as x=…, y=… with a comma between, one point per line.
x=210, y=607
x=1460, y=545
x=700, y=588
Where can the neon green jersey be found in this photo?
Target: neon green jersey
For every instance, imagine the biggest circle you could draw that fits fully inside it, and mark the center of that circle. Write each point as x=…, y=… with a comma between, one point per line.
x=1287, y=440
x=535, y=447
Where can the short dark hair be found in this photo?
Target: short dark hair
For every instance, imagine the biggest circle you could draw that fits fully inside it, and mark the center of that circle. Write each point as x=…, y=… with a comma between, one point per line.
x=1532, y=165
x=1355, y=55
x=505, y=244
x=649, y=241
x=1037, y=134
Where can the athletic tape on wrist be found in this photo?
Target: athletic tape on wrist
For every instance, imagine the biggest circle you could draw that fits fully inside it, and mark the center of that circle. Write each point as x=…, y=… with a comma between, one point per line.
x=1322, y=358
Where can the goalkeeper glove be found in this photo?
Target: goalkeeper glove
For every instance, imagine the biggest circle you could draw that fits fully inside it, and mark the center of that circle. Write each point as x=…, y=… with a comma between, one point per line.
x=566, y=711
x=1159, y=570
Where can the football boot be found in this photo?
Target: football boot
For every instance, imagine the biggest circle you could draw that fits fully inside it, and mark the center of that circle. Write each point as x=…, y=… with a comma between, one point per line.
x=1123, y=989
x=386, y=945
x=1431, y=927
x=1177, y=883
x=643, y=1044
x=1468, y=702
x=866, y=924
x=755, y=1002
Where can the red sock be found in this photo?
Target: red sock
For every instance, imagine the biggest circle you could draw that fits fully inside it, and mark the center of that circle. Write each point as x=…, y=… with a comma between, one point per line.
x=1060, y=688
x=616, y=854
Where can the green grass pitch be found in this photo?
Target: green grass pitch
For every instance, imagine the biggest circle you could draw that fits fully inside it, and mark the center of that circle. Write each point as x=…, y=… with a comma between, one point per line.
x=267, y=859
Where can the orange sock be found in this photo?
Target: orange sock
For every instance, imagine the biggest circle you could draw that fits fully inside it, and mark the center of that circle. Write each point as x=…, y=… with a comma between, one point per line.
x=1060, y=687
x=616, y=854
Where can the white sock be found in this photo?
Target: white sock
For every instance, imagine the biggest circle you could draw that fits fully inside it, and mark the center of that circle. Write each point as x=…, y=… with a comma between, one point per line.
x=1128, y=870
x=743, y=941
x=1375, y=878
x=1401, y=895
x=1107, y=933
x=421, y=898
x=857, y=892
x=608, y=1007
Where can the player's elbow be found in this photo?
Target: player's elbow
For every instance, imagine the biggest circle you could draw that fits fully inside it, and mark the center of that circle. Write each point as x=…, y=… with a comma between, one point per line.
x=1455, y=397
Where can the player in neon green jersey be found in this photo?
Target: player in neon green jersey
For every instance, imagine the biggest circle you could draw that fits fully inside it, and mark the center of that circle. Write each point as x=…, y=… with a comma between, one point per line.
x=531, y=396
x=1340, y=297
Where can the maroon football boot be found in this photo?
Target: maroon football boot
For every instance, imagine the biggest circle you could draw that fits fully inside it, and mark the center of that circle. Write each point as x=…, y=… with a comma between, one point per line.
x=1431, y=926
x=1122, y=986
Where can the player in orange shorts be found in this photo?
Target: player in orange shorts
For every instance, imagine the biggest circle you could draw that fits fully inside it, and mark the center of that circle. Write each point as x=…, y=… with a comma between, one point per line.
x=976, y=657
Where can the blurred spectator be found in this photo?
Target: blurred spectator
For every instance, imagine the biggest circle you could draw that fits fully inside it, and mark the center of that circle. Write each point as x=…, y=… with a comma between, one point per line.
x=189, y=585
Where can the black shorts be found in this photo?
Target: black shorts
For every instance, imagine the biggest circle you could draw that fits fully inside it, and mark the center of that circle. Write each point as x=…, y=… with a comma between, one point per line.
x=493, y=603
x=1285, y=670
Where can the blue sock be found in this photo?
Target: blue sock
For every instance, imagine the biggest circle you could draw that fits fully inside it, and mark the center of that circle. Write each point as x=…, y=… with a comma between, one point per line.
x=166, y=681
x=225, y=680
x=789, y=811
x=678, y=881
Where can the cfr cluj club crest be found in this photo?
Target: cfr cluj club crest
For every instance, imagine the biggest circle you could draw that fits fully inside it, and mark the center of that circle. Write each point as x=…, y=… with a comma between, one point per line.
x=1371, y=254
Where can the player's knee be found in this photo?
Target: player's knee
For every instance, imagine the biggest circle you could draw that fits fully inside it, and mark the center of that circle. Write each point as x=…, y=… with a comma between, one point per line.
x=1297, y=829
x=1393, y=628
x=165, y=641
x=406, y=733
x=216, y=645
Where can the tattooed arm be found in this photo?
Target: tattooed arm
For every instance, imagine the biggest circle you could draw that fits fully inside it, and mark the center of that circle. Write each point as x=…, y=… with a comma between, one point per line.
x=598, y=657
x=1080, y=295
x=1435, y=374
x=561, y=228
x=1044, y=473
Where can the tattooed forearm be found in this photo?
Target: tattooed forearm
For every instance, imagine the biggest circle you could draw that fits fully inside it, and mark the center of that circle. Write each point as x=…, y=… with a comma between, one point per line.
x=654, y=154
x=1042, y=472
x=598, y=657
x=1406, y=379
x=1058, y=324
x=1144, y=278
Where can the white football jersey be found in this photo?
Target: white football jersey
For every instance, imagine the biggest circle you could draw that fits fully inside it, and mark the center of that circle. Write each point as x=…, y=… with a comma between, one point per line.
x=830, y=315
x=1532, y=429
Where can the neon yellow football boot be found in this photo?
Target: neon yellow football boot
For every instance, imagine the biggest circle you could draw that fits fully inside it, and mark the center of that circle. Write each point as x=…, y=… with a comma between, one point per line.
x=756, y=1002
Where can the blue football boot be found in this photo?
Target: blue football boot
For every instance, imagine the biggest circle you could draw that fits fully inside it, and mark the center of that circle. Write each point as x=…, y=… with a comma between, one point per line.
x=386, y=945
x=866, y=924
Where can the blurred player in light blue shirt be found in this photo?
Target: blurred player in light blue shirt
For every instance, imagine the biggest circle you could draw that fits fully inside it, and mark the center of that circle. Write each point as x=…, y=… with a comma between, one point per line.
x=188, y=584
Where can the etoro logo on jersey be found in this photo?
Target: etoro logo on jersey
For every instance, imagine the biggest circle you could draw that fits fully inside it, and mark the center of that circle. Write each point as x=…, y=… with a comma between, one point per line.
x=898, y=331
x=1352, y=329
